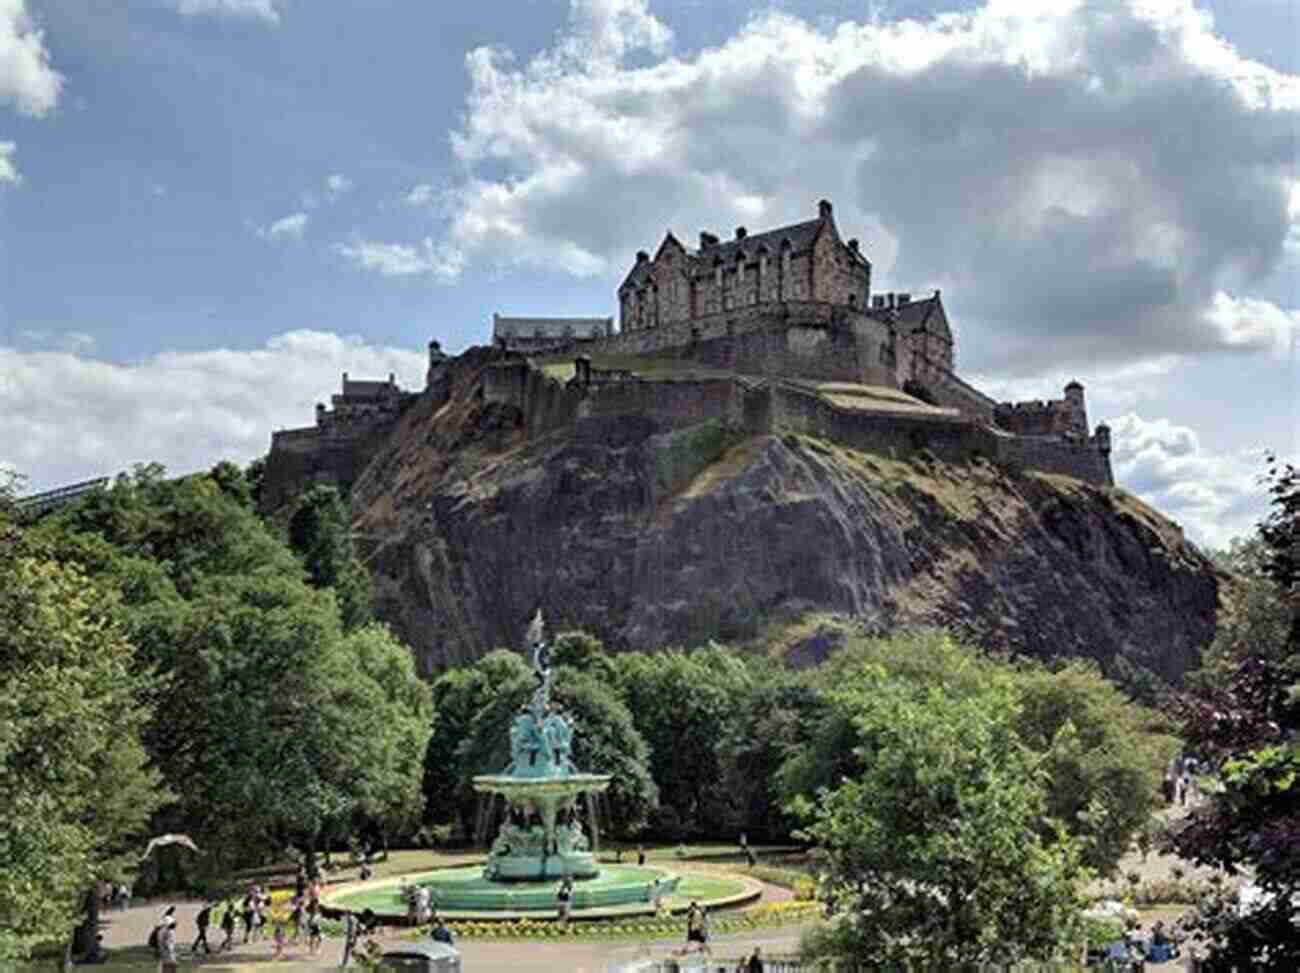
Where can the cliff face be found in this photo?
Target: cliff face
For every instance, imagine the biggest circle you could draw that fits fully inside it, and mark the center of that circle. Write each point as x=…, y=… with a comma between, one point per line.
x=649, y=537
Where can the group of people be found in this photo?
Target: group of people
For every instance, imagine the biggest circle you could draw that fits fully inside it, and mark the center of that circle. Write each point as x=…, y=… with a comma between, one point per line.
x=1181, y=781
x=1135, y=949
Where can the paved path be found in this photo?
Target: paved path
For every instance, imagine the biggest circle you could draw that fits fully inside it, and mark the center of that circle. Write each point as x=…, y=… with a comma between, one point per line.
x=131, y=927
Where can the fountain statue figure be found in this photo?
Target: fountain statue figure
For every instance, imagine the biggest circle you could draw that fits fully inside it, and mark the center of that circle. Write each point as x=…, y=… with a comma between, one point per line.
x=542, y=836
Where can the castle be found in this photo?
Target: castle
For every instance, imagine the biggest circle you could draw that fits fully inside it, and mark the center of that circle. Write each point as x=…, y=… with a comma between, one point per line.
x=777, y=331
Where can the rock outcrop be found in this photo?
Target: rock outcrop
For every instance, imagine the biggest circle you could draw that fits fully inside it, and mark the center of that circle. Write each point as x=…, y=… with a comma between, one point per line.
x=650, y=537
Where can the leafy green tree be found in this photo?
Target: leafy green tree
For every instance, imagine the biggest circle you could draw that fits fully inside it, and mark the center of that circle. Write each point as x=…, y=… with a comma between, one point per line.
x=1256, y=620
x=1244, y=718
x=685, y=705
x=1104, y=756
x=271, y=725
x=320, y=532
x=78, y=791
x=934, y=851
x=458, y=696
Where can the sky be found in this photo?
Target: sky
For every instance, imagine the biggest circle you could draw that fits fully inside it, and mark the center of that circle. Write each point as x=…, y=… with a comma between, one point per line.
x=209, y=209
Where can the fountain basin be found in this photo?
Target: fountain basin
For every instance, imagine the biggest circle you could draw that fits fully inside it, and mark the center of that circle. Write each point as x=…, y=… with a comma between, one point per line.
x=464, y=890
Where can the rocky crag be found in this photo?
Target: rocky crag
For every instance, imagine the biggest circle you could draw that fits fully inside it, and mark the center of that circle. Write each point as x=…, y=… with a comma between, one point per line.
x=650, y=536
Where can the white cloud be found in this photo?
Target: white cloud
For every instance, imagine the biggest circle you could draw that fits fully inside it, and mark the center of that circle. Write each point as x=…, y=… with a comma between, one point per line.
x=291, y=227
x=265, y=10
x=338, y=184
x=27, y=80
x=421, y=195
x=65, y=417
x=1215, y=496
x=1084, y=180
x=8, y=171
x=399, y=260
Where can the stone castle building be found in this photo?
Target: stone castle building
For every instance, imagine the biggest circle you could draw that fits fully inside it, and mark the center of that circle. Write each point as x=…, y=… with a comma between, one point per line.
x=776, y=331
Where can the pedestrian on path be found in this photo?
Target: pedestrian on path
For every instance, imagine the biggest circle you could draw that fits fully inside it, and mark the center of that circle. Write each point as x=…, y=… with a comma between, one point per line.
x=202, y=920
x=349, y=937
x=167, y=962
x=228, y=926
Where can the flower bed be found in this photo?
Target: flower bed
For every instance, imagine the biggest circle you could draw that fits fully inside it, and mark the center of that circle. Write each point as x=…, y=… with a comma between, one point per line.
x=760, y=916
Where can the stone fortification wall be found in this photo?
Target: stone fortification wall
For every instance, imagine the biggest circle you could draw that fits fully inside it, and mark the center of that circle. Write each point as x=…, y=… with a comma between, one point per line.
x=670, y=403
x=300, y=458
x=947, y=389
x=1083, y=459
x=811, y=339
x=796, y=410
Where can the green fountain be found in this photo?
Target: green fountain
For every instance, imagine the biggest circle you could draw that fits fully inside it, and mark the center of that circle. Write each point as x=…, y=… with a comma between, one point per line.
x=542, y=835
x=541, y=840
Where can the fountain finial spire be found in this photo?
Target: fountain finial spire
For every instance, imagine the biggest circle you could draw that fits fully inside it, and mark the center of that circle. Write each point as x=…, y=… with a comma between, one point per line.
x=541, y=666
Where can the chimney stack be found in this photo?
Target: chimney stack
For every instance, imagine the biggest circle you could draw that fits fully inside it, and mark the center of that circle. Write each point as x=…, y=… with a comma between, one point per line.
x=707, y=240
x=740, y=233
x=853, y=245
x=642, y=256
x=824, y=209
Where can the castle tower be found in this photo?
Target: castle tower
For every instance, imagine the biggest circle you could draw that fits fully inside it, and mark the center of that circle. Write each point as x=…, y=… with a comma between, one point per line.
x=1076, y=411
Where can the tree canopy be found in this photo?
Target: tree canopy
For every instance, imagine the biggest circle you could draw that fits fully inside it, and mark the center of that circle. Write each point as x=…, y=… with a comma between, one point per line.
x=934, y=848
x=77, y=785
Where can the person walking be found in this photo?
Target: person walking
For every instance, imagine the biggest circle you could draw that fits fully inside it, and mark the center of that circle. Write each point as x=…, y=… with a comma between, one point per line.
x=247, y=915
x=167, y=962
x=228, y=926
x=314, y=935
x=202, y=920
x=640, y=854
x=349, y=937
x=695, y=933
x=755, y=964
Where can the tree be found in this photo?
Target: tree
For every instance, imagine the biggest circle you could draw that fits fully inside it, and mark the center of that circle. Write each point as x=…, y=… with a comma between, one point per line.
x=320, y=532
x=934, y=848
x=270, y=724
x=1244, y=717
x=77, y=787
x=1256, y=619
x=1104, y=756
x=685, y=705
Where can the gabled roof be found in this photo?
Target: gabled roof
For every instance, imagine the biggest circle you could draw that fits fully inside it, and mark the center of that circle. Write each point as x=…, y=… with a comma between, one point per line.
x=504, y=327
x=800, y=235
x=915, y=315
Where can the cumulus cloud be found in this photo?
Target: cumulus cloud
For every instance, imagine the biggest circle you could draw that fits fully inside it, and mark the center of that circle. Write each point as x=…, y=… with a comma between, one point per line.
x=8, y=171
x=421, y=195
x=66, y=417
x=264, y=10
x=338, y=184
x=1087, y=181
x=1215, y=496
x=399, y=260
x=291, y=227
x=27, y=80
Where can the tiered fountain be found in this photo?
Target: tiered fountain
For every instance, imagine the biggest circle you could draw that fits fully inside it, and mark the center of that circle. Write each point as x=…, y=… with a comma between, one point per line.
x=542, y=839
x=542, y=836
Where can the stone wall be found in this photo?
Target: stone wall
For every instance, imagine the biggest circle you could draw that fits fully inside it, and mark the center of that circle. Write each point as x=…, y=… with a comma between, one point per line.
x=670, y=403
x=796, y=410
x=1084, y=459
x=300, y=458
x=947, y=389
